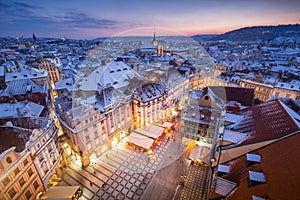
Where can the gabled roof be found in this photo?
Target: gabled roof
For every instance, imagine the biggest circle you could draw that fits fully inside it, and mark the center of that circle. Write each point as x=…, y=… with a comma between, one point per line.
x=20, y=109
x=65, y=83
x=149, y=92
x=13, y=137
x=117, y=74
x=22, y=86
x=241, y=95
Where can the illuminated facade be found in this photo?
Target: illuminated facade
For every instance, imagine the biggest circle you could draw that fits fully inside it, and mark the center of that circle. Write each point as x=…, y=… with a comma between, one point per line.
x=204, y=107
x=93, y=132
x=52, y=67
x=19, y=178
x=155, y=102
x=45, y=151
x=149, y=104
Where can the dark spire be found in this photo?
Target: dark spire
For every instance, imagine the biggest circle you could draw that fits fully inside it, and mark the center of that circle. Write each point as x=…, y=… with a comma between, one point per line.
x=154, y=42
x=34, y=37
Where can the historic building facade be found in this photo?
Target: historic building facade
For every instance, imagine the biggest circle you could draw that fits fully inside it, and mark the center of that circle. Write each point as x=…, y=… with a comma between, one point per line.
x=19, y=178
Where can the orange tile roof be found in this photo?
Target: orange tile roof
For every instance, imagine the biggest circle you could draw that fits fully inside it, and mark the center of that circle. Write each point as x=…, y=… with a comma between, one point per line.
x=280, y=163
x=264, y=122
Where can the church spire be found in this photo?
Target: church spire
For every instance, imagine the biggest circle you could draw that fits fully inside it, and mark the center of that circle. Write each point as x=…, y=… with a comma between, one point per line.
x=154, y=42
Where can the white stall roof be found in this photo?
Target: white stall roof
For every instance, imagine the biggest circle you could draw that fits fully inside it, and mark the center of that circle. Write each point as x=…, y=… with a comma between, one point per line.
x=60, y=192
x=140, y=140
x=151, y=131
x=167, y=125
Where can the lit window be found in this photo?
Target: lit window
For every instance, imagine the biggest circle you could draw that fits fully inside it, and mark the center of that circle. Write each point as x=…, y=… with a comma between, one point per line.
x=97, y=141
x=104, y=137
x=88, y=146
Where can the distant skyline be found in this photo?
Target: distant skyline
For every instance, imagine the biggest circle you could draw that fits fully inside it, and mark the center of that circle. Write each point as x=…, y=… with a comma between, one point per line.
x=91, y=19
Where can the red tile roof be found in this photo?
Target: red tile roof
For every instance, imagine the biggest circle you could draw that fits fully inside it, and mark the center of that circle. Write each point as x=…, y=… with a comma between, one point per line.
x=280, y=163
x=264, y=122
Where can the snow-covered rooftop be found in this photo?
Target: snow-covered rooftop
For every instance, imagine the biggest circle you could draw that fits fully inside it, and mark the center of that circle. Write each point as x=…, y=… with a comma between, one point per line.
x=233, y=136
x=20, y=109
x=26, y=73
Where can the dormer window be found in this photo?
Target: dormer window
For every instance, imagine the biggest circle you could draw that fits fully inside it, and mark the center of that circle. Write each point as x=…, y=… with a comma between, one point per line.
x=252, y=159
x=256, y=178
x=257, y=198
x=223, y=169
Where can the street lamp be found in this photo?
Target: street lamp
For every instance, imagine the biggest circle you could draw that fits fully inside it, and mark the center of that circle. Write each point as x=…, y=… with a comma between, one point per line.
x=93, y=165
x=149, y=152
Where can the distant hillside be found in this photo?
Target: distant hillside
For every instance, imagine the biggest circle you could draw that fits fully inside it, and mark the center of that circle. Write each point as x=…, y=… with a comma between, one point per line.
x=261, y=33
x=203, y=38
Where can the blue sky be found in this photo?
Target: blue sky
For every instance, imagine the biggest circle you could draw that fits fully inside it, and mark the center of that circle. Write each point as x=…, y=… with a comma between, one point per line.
x=90, y=19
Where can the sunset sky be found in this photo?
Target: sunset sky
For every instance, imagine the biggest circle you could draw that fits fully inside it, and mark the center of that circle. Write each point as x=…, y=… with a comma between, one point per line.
x=91, y=19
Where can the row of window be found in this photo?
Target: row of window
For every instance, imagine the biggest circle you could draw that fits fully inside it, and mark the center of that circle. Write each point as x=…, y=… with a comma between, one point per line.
x=12, y=192
x=91, y=119
x=89, y=144
x=28, y=193
x=6, y=181
x=44, y=139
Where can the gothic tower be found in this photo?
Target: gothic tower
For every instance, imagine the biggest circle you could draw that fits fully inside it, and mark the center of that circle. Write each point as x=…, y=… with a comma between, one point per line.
x=154, y=41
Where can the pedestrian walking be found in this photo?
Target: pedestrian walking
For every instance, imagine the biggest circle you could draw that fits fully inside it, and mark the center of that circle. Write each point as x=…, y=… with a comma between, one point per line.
x=103, y=185
x=107, y=155
x=91, y=183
